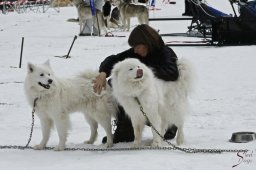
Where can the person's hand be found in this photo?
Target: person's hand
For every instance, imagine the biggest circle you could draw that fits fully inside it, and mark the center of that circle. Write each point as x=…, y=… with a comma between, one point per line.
x=100, y=82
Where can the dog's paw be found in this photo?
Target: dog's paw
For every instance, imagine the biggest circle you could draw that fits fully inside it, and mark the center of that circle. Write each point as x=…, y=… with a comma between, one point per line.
x=148, y=143
x=88, y=142
x=156, y=144
x=39, y=147
x=59, y=148
x=136, y=144
x=109, y=145
x=180, y=140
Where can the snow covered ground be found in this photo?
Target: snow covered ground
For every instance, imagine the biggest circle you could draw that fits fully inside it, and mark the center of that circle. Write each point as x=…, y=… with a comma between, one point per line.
x=223, y=102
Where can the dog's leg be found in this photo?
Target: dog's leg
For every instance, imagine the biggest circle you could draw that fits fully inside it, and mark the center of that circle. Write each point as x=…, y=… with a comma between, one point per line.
x=46, y=125
x=157, y=140
x=180, y=135
x=81, y=24
x=103, y=28
x=141, y=19
x=93, y=126
x=62, y=123
x=164, y=126
x=106, y=124
x=123, y=19
x=156, y=122
x=108, y=22
x=138, y=128
x=137, y=135
x=128, y=24
x=146, y=20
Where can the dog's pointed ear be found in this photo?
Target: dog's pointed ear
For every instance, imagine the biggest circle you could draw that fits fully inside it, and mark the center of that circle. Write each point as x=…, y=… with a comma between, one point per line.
x=47, y=63
x=30, y=67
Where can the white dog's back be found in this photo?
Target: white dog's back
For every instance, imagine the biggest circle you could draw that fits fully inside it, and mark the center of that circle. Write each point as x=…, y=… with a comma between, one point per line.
x=176, y=107
x=187, y=75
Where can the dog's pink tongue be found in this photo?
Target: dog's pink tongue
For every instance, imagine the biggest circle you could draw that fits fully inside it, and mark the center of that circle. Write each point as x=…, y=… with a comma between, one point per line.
x=139, y=73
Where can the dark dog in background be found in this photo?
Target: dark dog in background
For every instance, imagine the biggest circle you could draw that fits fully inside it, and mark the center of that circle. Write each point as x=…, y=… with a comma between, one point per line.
x=115, y=17
x=106, y=12
x=111, y=16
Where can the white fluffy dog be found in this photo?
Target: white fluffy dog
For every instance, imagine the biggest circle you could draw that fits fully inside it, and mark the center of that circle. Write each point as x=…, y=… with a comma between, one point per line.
x=165, y=103
x=58, y=97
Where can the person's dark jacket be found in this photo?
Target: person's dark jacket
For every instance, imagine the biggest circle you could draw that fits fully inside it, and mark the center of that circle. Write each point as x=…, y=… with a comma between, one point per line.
x=163, y=63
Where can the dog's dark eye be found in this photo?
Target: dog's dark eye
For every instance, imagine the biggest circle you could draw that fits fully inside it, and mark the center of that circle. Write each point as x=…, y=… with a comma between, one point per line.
x=130, y=69
x=42, y=75
x=49, y=74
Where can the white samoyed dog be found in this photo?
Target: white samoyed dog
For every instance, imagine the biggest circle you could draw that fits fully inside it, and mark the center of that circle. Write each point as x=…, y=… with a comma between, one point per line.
x=58, y=97
x=165, y=103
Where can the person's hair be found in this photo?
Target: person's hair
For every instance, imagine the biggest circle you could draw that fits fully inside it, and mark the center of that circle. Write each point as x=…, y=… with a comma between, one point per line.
x=146, y=35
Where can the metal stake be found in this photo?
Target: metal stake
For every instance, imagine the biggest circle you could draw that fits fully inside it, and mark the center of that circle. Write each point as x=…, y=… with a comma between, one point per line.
x=22, y=42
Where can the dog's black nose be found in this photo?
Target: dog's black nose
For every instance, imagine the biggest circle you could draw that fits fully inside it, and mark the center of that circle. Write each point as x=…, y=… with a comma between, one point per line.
x=50, y=81
x=139, y=73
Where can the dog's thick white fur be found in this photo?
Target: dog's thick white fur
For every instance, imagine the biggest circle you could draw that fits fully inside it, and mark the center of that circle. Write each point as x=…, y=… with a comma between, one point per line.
x=165, y=103
x=58, y=97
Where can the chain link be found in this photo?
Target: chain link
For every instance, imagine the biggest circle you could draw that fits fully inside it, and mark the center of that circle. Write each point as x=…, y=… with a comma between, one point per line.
x=89, y=149
x=33, y=121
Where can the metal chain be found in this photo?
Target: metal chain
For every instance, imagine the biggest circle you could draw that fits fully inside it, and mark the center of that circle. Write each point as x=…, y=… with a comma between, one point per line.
x=173, y=147
x=33, y=120
x=187, y=150
x=89, y=149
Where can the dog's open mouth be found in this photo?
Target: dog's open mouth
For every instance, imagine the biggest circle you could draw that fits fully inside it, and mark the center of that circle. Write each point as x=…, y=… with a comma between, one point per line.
x=46, y=86
x=139, y=74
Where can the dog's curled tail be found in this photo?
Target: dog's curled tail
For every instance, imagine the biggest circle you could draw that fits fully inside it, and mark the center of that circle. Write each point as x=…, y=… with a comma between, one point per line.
x=187, y=75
